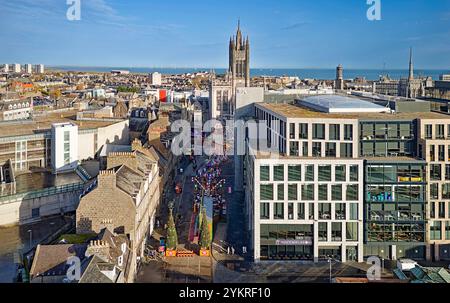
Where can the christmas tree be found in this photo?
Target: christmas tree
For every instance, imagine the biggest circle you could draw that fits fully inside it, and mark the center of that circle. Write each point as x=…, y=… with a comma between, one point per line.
x=172, y=238
x=205, y=237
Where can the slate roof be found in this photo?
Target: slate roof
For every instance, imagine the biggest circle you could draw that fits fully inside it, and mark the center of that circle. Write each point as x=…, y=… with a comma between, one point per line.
x=51, y=260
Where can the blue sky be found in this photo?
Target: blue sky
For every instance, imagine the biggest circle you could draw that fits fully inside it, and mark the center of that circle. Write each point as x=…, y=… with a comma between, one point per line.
x=195, y=33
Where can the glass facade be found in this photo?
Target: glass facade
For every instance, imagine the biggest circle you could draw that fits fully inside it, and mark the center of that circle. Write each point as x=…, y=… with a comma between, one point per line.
x=395, y=199
x=286, y=242
x=381, y=139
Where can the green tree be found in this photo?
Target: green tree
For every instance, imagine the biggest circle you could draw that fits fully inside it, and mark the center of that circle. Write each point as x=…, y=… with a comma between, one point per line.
x=172, y=237
x=205, y=237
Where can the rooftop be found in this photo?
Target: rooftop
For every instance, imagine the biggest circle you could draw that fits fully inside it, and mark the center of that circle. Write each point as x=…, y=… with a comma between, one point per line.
x=44, y=124
x=32, y=181
x=341, y=104
x=296, y=111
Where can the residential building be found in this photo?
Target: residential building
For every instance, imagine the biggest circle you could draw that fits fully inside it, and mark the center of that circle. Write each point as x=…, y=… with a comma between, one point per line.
x=39, y=68
x=16, y=109
x=5, y=68
x=105, y=259
x=15, y=68
x=28, y=68
x=125, y=199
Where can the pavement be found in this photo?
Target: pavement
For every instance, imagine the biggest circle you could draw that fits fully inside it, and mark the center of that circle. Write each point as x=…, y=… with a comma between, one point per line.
x=16, y=240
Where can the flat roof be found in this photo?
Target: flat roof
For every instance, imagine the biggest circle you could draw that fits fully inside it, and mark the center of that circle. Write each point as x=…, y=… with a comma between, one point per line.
x=32, y=181
x=341, y=104
x=296, y=111
x=43, y=124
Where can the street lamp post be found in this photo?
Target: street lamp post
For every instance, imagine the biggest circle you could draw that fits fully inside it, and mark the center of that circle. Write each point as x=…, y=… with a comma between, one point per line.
x=329, y=261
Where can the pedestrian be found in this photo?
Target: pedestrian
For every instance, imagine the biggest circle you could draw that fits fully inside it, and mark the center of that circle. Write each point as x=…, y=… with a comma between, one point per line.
x=232, y=251
x=244, y=249
x=228, y=250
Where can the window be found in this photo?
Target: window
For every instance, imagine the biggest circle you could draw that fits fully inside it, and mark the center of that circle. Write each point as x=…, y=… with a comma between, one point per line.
x=434, y=191
x=441, y=154
x=324, y=173
x=278, y=173
x=354, y=173
x=353, y=211
x=308, y=192
x=292, y=192
x=336, y=231
x=301, y=211
x=266, y=192
x=280, y=192
x=433, y=210
x=441, y=210
x=428, y=131
x=432, y=153
x=447, y=230
x=264, y=173
x=278, y=211
x=336, y=192
x=67, y=136
x=291, y=211
x=265, y=211
x=352, y=231
x=295, y=173
x=348, y=132
x=323, y=192
x=340, y=173
x=311, y=211
x=292, y=131
x=325, y=211
x=305, y=151
x=352, y=193
x=293, y=149
x=309, y=173
x=346, y=150
x=335, y=132
x=435, y=230
x=319, y=131
x=303, y=131
x=435, y=172
x=35, y=213
x=446, y=191
x=317, y=149
x=323, y=231
x=330, y=150
x=440, y=131
x=340, y=211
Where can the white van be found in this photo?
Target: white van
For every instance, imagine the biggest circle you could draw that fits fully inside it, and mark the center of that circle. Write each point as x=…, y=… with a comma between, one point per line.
x=406, y=264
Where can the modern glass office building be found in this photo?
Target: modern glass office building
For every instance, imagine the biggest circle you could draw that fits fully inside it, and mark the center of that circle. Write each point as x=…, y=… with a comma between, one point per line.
x=395, y=208
x=403, y=185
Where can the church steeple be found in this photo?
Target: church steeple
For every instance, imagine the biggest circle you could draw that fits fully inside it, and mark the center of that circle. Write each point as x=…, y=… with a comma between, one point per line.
x=240, y=56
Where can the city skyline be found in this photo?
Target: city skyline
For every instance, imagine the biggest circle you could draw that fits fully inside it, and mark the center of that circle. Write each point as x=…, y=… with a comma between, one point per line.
x=153, y=34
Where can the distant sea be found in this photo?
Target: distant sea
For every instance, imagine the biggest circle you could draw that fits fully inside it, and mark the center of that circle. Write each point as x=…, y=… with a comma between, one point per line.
x=306, y=73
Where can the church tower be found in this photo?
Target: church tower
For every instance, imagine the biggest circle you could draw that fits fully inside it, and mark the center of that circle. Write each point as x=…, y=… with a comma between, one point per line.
x=239, y=63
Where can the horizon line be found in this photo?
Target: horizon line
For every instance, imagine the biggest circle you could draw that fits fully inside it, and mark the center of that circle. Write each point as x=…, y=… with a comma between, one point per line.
x=252, y=68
